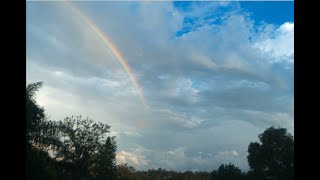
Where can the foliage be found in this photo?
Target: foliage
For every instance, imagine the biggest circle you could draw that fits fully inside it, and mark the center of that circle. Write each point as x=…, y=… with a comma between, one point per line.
x=39, y=165
x=79, y=146
x=34, y=113
x=228, y=172
x=125, y=171
x=38, y=136
x=39, y=131
x=273, y=157
x=83, y=145
x=106, y=162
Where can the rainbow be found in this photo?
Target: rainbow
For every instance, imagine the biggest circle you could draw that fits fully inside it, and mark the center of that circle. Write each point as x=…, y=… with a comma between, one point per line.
x=106, y=41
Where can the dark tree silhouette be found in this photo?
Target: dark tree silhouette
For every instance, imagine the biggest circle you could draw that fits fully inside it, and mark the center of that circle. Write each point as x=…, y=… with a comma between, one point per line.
x=213, y=175
x=34, y=113
x=273, y=156
x=106, y=162
x=125, y=172
x=39, y=164
x=79, y=146
x=228, y=172
x=40, y=131
x=85, y=147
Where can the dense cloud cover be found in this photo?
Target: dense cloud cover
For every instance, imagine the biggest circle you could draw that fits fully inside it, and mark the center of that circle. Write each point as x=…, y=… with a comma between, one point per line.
x=213, y=77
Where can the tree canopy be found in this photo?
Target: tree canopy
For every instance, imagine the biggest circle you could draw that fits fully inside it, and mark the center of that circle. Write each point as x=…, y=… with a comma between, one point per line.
x=273, y=156
x=228, y=172
x=78, y=147
x=85, y=146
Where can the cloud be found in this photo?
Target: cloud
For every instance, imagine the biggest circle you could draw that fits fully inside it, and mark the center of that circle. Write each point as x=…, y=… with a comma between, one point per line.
x=48, y=37
x=231, y=153
x=130, y=158
x=280, y=46
x=214, y=78
x=230, y=156
x=134, y=134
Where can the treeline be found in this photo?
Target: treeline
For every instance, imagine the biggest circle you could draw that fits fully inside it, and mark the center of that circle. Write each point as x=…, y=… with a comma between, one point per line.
x=78, y=148
x=224, y=172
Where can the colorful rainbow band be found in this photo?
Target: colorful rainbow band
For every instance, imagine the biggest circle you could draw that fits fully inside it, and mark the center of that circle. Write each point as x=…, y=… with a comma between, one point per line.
x=106, y=41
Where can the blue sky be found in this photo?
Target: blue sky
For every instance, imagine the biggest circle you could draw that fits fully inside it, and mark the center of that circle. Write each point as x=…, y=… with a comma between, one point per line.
x=275, y=12
x=215, y=75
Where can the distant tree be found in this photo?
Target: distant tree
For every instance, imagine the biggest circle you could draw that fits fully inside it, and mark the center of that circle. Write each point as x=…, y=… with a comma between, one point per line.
x=84, y=145
x=228, y=172
x=187, y=175
x=125, y=172
x=213, y=175
x=202, y=175
x=273, y=156
x=250, y=175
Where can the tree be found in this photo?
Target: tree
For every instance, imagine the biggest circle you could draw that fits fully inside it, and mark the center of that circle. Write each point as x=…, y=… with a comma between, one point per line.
x=39, y=135
x=80, y=146
x=213, y=175
x=228, y=172
x=125, y=171
x=273, y=156
x=83, y=145
x=40, y=132
x=106, y=161
x=40, y=165
x=34, y=113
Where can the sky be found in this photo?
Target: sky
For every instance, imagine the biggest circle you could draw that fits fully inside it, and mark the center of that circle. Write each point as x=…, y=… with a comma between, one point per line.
x=184, y=85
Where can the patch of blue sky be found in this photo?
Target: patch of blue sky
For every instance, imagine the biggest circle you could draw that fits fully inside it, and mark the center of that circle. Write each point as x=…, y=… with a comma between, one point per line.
x=215, y=13
x=271, y=12
x=184, y=6
x=199, y=85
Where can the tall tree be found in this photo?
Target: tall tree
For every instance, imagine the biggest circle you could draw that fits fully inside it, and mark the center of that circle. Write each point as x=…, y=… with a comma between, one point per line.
x=40, y=131
x=273, y=156
x=39, y=135
x=34, y=113
x=106, y=160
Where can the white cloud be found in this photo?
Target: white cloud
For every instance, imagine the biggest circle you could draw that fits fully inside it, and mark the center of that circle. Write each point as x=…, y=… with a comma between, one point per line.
x=184, y=88
x=281, y=46
x=114, y=133
x=130, y=158
x=231, y=153
x=231, y=156
x=178, y=152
